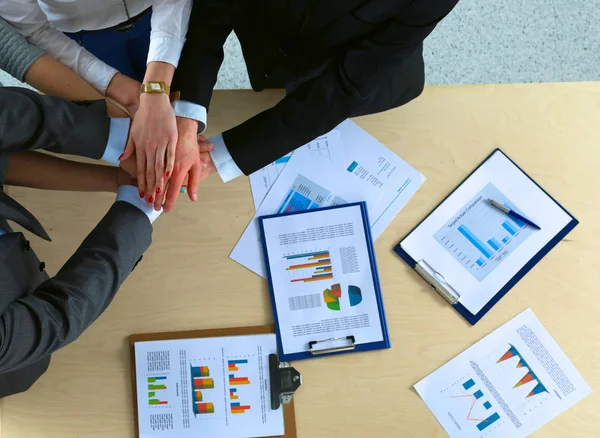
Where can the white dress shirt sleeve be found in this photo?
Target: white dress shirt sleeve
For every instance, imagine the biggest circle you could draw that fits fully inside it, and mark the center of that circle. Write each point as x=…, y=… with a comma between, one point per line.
x=170, y=20
x=131, y=195
x=117, y=140
x=191, y=110
x=222, y=160
x=27, y=17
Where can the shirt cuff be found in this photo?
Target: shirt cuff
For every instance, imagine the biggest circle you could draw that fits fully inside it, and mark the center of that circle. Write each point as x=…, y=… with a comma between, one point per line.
x=131, y=195
x=222, y=160
x=99, y=75
x=165, y=49
x=3, y=231
x=191, y=110
x=117, y=140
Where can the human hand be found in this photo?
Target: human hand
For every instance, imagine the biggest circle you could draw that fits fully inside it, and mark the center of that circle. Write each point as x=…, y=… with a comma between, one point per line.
x=153, y=138
x=191, y=157
x=125, y=91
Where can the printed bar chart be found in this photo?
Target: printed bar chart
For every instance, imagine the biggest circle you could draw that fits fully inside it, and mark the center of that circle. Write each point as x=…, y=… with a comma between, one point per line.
x=203, y=383
x=202, y=371
x=156, y=379
x=488, y=422
x=480, y=236
x=308, y=267
x=153, y=402
x=468, y=384
x=203, y=408
x=304, y=195
x=237, y=408
x=156, y=387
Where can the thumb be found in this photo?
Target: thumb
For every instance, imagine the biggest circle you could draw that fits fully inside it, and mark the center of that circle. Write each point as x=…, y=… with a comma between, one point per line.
x=129, y=149
x=205, y=146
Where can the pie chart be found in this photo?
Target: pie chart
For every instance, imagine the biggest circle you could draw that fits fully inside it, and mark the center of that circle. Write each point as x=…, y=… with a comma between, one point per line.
x=354, y=295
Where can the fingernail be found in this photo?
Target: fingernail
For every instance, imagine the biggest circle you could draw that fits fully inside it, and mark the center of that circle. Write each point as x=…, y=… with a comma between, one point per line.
x=194, y=197
x=121, y=156
x=158, y=191
x=183, y=190
x=151, y=199
x=168, y=174
x=142, y=194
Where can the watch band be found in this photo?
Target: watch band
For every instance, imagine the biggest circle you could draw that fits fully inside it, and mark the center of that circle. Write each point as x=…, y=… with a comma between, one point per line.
x=155, y=87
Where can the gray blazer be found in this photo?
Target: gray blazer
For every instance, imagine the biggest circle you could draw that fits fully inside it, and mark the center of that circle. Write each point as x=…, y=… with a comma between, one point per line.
x=39, y=314
x=16, y=55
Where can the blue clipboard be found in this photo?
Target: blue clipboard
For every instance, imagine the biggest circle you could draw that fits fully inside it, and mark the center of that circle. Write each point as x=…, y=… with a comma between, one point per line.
x=385, y=343
x=462, y=310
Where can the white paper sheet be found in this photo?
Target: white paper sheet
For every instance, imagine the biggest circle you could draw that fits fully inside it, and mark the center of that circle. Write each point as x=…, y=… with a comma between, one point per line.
x=184, y=389
x=508, y=384
x=322, y=278
x=305, y=183
x=374, y=163
x=327, y=146
x=473, y=265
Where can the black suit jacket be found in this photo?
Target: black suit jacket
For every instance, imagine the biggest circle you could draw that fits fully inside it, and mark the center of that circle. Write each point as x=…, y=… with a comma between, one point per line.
x=39, y=314
x=341, y=58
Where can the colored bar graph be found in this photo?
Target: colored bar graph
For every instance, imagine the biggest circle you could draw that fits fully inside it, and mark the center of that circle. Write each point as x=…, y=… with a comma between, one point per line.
x=237, y=361
x=235, y=381
x=478, y=394
x=506, y=239
x=488, y=422
x=509, y=227
x=156, y=387
x=237, y=408
x=151, y=394
x=313, y=278
x=494, y=244
x=204, y=408
x=325, y=262
x=197, y=395
x=517, y=221
x=311, y=255
x=154, y=402
x=203, y=383
x=202, y=371
x=474, y=241
x=468, y=384
x=487, y=405
x=480, y=262
x=155, y=379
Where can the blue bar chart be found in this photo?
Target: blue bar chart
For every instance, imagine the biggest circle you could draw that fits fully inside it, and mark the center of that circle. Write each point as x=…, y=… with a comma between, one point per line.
x=479, y=236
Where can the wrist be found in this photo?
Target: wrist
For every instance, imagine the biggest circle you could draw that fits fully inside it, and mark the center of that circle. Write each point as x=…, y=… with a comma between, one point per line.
x=124, y=90
x=159, y=72
x=187, y=126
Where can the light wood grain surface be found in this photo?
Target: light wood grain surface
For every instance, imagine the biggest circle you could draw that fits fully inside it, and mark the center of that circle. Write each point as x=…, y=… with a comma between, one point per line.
x=186, y=280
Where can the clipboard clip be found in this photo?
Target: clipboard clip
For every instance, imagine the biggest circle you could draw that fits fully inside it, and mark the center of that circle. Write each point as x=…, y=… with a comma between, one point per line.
x=437, y=282
x=337, y=349
x=285, y=380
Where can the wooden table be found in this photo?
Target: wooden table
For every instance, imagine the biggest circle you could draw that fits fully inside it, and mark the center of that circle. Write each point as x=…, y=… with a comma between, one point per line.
x=186, y=280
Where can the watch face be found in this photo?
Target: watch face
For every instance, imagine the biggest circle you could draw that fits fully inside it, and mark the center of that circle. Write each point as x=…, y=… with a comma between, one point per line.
x=155, y=86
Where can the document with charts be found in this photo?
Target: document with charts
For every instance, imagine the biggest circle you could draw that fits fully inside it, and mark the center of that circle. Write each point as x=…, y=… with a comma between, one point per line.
x=325, y=147
x=323, y=278
x=509, y=384
x=206, y=387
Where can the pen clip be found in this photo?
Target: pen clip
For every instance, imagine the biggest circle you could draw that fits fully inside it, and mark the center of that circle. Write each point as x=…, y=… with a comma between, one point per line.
x=437, y=281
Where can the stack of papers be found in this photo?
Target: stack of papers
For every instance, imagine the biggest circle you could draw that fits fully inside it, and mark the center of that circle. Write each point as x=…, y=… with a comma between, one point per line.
x=345, y=165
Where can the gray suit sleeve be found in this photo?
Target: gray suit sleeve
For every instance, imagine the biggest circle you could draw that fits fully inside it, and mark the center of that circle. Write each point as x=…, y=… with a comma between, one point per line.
x=16, y=55
x=61, y=308
x=29, y=121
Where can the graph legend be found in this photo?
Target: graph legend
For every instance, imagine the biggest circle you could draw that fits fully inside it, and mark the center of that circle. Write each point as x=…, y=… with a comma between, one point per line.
x=309, y=267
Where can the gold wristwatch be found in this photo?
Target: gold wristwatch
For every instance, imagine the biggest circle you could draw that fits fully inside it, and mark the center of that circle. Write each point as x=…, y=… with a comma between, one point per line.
x=160, y=87
x=156, y=87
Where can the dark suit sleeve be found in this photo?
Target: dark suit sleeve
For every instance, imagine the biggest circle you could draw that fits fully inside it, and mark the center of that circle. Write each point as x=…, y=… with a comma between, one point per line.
x=61, y=308
x=348, y=84
x=30, y=121
x=202, y=55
